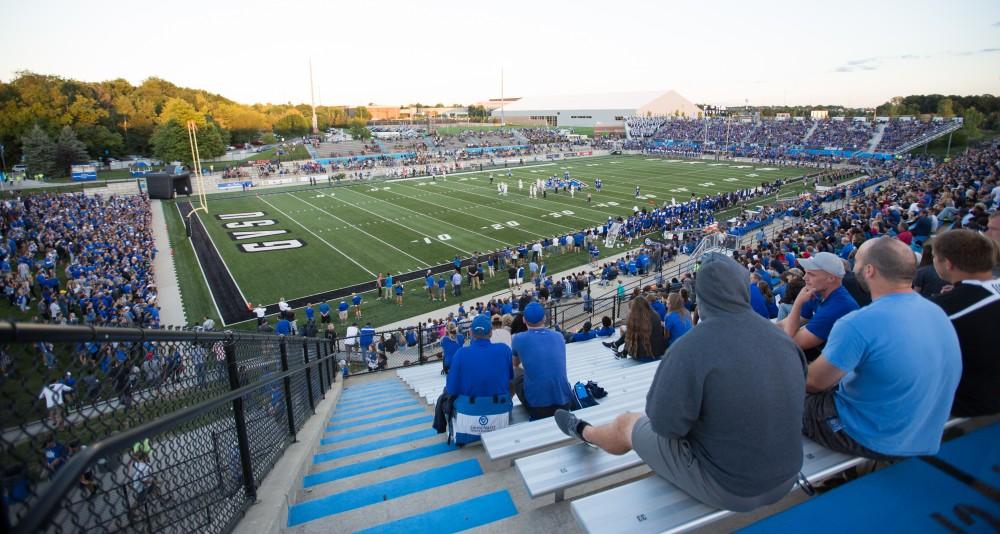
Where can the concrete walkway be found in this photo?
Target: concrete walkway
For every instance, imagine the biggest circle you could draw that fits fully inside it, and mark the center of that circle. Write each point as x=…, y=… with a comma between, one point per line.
x=164, y=273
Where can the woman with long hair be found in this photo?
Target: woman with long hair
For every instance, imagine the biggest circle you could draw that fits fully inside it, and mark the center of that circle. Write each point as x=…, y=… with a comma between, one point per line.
x=643, y=336
x=450, y=345
x=678, y=320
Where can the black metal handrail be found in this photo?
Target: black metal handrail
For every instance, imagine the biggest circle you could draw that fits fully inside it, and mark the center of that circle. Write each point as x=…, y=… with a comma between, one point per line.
x=48, y=503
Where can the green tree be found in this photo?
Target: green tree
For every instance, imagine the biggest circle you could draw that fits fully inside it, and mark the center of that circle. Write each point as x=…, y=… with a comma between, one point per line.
x=68, y=151
x=292, y=123
x=946, y=108
x=180, y=110
x=358, y=130
x=39, y=152
x=171, y=143
x=268, y=138
x=971, y=121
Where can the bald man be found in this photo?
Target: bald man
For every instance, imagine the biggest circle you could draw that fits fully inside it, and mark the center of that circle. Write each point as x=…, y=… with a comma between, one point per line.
x=897, y=363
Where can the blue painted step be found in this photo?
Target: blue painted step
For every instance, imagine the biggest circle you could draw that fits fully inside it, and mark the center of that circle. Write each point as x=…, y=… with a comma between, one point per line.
x=364, y=402
x=423, y=420
x=373, y=445
x=375, y=464
x=382, y=491
x=362, y=422
x=358, y=412
x=454, y=518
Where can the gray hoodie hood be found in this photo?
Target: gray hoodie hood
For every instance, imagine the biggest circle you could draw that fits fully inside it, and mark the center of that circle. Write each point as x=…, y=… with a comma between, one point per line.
x=722, y=286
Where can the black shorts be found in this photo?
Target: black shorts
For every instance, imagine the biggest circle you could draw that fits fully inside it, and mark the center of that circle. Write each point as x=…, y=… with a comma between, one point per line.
x=324, y=318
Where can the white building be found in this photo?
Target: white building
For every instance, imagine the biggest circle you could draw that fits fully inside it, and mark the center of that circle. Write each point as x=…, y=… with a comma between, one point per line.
x=594, y=110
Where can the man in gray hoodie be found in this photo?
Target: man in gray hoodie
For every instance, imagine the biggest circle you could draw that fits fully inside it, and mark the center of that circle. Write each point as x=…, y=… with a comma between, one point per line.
x=723, y=415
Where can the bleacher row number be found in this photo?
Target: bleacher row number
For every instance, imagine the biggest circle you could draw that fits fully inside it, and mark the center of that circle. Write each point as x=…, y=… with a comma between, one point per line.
x=641, y=517
x=557, y=214
x=501, y=226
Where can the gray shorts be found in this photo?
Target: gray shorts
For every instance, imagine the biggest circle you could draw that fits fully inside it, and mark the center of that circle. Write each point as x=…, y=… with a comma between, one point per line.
x=673, y=460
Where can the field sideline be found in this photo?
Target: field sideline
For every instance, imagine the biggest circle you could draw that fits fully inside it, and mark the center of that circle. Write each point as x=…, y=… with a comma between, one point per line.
x=348, y=234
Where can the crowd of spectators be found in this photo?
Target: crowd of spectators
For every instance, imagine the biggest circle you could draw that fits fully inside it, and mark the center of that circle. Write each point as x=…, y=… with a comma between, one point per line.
x=77, y=259
x=843, y=134
x=898, y=132
x=771, y=138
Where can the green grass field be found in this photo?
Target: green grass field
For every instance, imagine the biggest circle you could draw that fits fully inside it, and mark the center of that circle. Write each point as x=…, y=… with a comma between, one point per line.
x=353, y=232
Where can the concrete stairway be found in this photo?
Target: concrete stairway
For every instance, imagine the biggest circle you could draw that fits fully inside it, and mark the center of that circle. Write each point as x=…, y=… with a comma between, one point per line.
x=877, y=138
x=381, y=467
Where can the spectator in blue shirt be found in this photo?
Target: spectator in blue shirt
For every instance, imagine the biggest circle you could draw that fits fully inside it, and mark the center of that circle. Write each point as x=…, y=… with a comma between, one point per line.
x=543, y=386
x=356, y=302
x=482, y=368
x=324, y=313
x=284, y=326
x=884, y=385
x=824, y=275
x=678, y=319
x=450, y=345
x=606, y=329
x=586, y=333
x=342, y=311
x=366, y=339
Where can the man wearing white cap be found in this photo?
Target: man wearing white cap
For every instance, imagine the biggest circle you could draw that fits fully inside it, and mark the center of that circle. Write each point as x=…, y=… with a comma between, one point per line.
x=825, y=299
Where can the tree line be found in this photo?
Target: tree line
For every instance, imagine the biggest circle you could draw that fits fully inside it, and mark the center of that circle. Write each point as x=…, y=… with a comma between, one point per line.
x=48, y=115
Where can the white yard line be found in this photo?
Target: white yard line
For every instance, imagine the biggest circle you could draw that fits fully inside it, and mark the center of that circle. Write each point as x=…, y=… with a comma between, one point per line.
x=317, y=236
x=419, y=261
x=399, y=223
x=484, y=218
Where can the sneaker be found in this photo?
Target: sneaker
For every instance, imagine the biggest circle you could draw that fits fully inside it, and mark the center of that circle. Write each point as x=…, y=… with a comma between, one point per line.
x=609, y=344
x=568, y=423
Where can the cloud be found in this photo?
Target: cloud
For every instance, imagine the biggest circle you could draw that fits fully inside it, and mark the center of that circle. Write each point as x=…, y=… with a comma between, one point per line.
x=875, y=62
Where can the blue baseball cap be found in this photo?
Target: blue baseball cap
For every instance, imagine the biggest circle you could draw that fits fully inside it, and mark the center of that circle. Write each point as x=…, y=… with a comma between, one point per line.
x=534, y=313
x=481, y=325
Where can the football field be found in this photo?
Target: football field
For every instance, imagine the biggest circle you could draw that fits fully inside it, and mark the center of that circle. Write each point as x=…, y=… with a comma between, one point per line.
x=307, y=242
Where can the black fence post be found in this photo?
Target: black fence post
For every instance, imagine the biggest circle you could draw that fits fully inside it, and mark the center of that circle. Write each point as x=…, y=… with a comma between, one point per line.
x=287, y=383
x=319, y=368
x=309, y=383
x=420, y=343
x=614, y=309
x=331, y=375
x=239, y=415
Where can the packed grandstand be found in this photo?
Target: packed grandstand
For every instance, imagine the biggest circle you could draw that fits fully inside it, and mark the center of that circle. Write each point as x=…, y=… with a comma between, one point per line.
x=913, y=232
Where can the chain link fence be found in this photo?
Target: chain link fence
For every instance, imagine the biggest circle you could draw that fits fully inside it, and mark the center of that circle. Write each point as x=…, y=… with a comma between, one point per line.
x=109, y=430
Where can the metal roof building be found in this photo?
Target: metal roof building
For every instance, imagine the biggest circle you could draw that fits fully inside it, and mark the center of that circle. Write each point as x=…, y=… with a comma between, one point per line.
x=590, y=110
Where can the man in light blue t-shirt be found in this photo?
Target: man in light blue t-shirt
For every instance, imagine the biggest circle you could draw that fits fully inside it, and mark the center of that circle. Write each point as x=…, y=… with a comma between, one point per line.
x=543, y=388
x=884, y=385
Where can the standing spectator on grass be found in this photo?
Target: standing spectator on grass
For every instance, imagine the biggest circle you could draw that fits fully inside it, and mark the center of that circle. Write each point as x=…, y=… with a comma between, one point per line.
x=399, y=292
x=966, y=259
x=342, y=312
x=380, y=285
x=324, y=313
x=884, y=385
x=456, y=283
x=429, y=282
x=442, y=288
x=261, y=313
x=331, y=337
x=387, y=284
x=356, y=303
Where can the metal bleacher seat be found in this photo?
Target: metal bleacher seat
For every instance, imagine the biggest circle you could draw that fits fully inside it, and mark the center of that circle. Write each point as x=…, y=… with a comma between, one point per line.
x=654, y=505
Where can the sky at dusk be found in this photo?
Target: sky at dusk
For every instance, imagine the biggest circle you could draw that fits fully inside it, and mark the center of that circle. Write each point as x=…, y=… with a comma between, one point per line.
x=393, y=52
